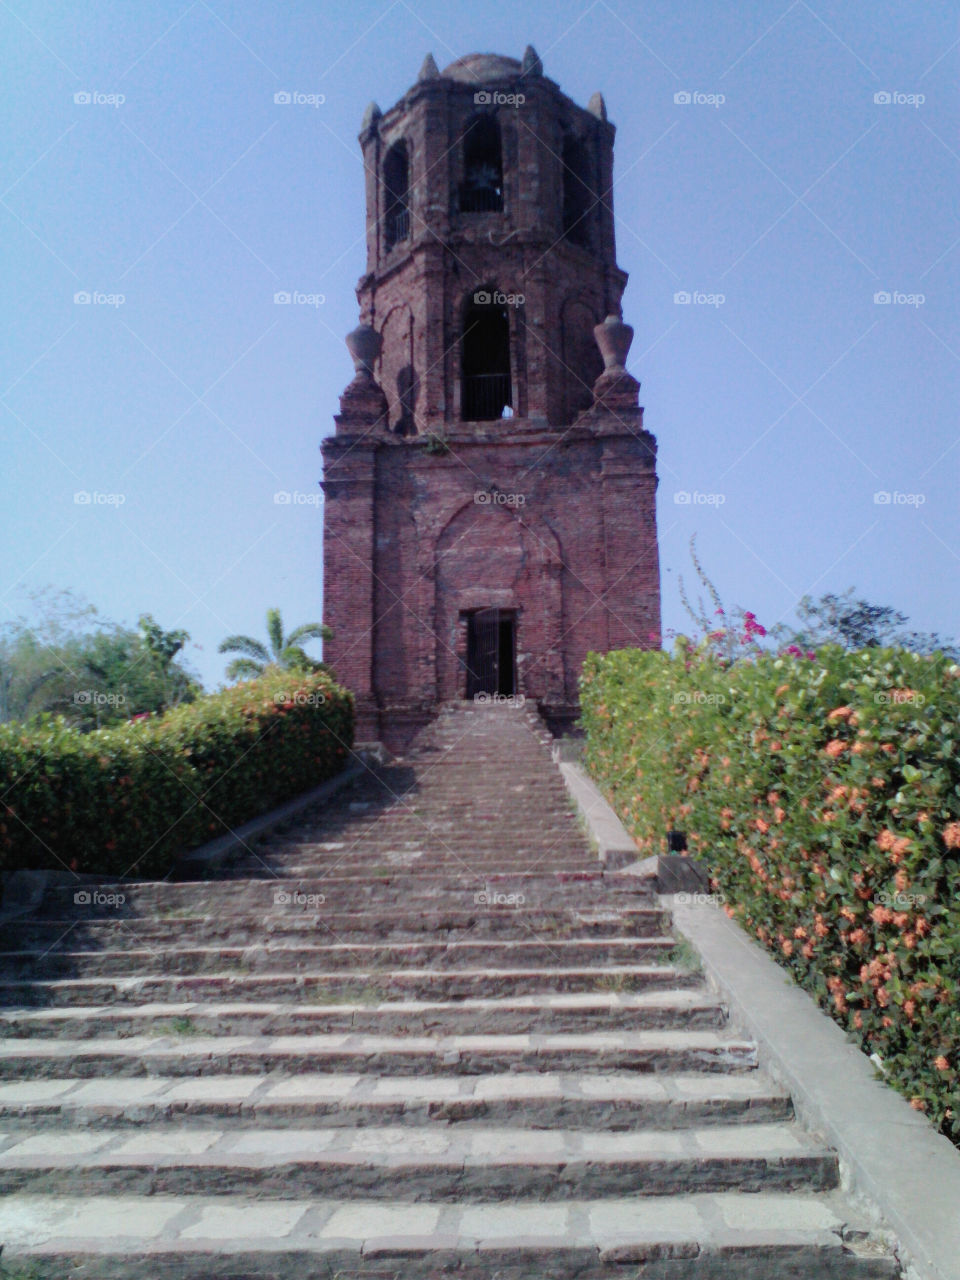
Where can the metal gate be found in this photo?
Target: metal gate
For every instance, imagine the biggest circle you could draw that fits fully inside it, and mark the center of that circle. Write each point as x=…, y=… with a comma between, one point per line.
x=489, y=652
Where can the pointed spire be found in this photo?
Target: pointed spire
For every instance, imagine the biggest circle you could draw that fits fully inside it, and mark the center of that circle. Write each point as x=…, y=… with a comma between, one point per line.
x=597, y=107
x=531, y=64
x=429, y=70
x=370, y=117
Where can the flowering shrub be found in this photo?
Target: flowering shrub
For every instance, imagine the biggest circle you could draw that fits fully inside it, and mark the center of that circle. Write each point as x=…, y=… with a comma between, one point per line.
x=125, y=800
x=822, y=793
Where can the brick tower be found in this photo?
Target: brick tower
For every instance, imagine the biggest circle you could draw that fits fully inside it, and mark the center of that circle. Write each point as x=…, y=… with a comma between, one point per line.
x=490, y=489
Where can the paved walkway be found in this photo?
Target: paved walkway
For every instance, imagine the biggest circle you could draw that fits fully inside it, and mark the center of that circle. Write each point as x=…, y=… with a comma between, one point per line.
x=417, y=1034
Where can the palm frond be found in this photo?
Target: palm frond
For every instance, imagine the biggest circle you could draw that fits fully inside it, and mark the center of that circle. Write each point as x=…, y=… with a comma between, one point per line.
x=246, y=645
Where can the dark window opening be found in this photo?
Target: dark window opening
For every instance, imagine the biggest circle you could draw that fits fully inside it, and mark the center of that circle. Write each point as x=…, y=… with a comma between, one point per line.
x=486, y=389
x=579, y=200
x=396, y=184
x=482, y=188
x=491, y=653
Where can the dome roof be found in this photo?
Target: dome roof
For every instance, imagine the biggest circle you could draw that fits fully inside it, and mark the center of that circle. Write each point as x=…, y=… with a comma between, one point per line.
x=477, y=68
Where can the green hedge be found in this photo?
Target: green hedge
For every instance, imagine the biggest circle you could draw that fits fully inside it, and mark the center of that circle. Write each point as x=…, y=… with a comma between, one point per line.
x=823, y=796
x=126, y=800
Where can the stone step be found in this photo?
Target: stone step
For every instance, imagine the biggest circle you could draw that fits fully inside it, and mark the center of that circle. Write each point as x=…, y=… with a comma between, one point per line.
x=329, y=956
x=436, y=1164
x=398, y=890
x=656, y=1010
x=603, y=1051
x=368, y=987
x=298, y=921
x=612, y=1101
x=722, y=1236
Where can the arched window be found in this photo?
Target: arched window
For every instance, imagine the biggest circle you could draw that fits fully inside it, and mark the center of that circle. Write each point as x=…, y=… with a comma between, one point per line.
x=396, y=187
x=482, y=188
x=579, y=197
x=485, y=359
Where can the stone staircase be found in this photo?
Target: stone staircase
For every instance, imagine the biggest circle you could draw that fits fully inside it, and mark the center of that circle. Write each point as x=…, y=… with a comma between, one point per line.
x=418, y=1034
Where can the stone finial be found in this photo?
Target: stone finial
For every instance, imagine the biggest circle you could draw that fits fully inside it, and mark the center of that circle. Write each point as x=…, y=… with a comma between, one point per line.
x=613, y=338
x=429, y=70
x=597, y=107
x=364, y=345
x=370, y=117
x=615, y=390
x=531, y=64
x=363, y=404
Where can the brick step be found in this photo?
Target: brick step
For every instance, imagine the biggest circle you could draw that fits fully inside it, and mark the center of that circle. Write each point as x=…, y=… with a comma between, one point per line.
x=723, y=1236
x=623, y=1101
x=436, y=1164
x=520, y=1015
x=371, y=986
x=268, y=958
x=271, y=924
x=596, y=1051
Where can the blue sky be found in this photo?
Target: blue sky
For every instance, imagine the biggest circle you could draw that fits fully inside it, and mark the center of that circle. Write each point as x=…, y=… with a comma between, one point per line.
x=781, y=411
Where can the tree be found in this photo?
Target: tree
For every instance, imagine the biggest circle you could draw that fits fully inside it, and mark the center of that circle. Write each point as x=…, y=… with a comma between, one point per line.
x=855, y=623
x=282, y=651
x=68, y=661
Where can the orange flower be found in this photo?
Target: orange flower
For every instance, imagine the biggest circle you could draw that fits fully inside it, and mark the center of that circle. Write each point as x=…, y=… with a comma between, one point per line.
x=883, y=997
x=835, y=747
x=886, y=840
x=779, y=814
x=856, y=936
x=776, y=745
x=807, y=950
x=820, y=929
x=840, y=713
x=786, y=946
x=877, y=782
x=918, y=1104
x=762, y=827
x=951, y=835
x=858, y=1021
x=901, y=880
x=910, y=1008
x=782, y=688
x=941, y=1063
x=799, y=932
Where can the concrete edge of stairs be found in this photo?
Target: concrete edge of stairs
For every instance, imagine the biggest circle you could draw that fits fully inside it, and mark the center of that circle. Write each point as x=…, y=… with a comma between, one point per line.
x=890, y=1154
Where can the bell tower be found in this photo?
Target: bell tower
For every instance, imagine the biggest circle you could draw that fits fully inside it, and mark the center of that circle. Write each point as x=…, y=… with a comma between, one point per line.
x=490, y=488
